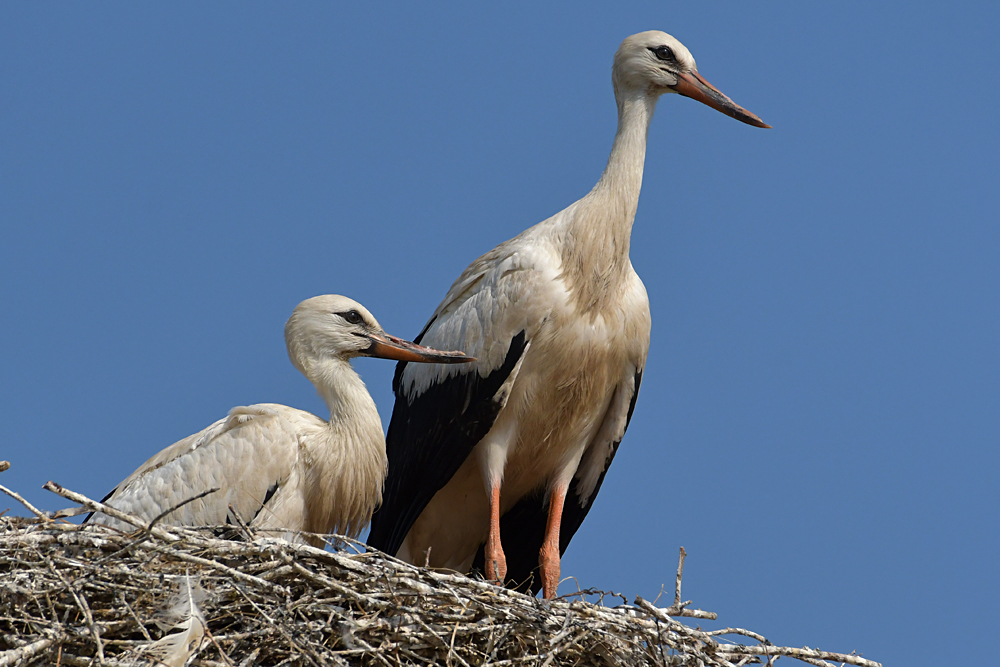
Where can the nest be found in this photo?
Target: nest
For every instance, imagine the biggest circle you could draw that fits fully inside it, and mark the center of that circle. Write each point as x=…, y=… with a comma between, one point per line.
x=91, y=595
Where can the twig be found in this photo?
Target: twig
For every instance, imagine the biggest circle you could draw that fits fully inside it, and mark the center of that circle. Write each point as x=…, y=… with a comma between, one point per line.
x=179, y=505
x=678, y=608
x=446, y=645
x=691, y=613
x=738, y=631
x=236, y=574
x=245, y=529
x=142, y=628
x=679, y=612
x=31, y=508
x=95, y=506
x=288, y=637
x=81, y=602
x=677, y=584
x=804, y=653
x=68, y=512
x=16, y=655
x=765, y=649
x=222, y=653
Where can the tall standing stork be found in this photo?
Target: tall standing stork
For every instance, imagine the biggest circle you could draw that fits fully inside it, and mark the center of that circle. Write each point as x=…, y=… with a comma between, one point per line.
x=559, y=322
x=286, y=471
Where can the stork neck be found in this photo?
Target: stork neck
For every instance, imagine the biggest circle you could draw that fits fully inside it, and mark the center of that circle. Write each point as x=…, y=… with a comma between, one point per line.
x=595, y=258
x=347, y=463
x=341, y=388
x=622, y=177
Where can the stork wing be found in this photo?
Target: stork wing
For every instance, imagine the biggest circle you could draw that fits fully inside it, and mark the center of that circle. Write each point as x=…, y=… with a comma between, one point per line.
x=442, y=412
x=247, y=456
x=522, y=527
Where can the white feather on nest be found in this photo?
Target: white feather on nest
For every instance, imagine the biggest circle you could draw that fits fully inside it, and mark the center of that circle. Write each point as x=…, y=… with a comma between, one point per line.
x=183, y=615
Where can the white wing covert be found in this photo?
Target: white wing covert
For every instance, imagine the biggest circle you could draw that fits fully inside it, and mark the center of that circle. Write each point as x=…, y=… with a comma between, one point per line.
x=477, y=315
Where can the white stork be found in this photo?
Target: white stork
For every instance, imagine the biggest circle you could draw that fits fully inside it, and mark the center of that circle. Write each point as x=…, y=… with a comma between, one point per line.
x=559, y=322
x=286, y=471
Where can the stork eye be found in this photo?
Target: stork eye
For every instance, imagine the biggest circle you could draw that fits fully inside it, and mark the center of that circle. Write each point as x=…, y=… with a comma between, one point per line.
x=352, y=317
x=664, y=53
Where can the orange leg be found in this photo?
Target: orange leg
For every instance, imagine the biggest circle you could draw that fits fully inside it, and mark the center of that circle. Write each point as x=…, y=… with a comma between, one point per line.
x=496, y=562
x=548, y=556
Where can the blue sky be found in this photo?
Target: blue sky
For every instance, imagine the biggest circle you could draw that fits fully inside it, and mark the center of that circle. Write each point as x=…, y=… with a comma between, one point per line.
x=820, y=415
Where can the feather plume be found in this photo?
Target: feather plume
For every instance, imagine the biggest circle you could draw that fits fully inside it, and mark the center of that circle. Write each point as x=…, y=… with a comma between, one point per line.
x=183, y=615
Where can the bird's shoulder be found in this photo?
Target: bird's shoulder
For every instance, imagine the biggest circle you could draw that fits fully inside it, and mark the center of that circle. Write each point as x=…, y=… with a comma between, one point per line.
x=509, y=290
x=508, y=269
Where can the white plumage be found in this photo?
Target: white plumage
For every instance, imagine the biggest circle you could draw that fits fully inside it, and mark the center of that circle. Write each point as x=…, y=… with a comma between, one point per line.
x=184, y=615
x=560, y=323
x=286, y=471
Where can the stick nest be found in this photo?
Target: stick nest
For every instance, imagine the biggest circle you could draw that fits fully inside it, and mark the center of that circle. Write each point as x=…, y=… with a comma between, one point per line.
x=91, y=595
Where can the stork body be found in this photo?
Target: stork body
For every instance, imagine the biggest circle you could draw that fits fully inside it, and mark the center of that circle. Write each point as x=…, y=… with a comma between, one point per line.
x=285, y=471
x=559, y=322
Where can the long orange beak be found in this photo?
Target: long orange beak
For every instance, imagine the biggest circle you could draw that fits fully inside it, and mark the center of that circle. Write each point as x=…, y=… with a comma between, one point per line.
x=693, y=85
x=385, y=346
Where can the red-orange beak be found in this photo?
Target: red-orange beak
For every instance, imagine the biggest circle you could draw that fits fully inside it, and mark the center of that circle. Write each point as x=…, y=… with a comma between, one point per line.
x=693, y=85
x=385, y=346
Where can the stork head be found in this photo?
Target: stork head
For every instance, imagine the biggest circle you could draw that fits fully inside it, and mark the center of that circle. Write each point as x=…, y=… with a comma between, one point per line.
x=335, y=327
x=655, y=63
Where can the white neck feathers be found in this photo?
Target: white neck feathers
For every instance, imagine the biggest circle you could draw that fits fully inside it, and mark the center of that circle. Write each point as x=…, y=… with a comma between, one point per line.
x=599, y=226
x=352, y=468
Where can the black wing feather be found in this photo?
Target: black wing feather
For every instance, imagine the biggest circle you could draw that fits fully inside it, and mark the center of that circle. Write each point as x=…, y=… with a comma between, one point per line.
x=522, y=527
x=430, y=437
x=271, y=490
x=103, y=500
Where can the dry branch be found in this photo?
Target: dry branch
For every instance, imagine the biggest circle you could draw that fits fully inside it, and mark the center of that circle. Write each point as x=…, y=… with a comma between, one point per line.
x=82, y=595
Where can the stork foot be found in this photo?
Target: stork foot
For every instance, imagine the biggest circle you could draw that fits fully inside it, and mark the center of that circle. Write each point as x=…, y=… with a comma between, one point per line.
x=548, y=565
x=496, y=562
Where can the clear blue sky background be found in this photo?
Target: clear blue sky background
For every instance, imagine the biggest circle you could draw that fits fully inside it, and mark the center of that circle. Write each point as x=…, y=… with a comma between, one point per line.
x=818, y=423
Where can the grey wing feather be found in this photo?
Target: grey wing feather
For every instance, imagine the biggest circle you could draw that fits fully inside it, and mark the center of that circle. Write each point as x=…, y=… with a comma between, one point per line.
x=243, y=455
